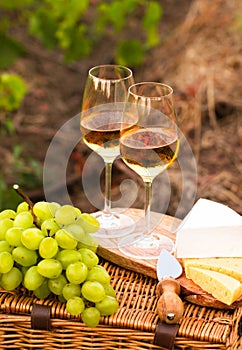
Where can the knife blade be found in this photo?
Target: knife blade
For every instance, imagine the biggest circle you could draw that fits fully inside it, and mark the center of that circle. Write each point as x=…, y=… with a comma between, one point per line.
x=170, y=306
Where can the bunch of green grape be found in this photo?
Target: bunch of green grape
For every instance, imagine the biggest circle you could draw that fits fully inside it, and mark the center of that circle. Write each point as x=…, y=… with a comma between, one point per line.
x=50, y=248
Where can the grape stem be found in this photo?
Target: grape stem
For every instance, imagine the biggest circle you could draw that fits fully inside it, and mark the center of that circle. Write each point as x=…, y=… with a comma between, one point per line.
x=17, y=188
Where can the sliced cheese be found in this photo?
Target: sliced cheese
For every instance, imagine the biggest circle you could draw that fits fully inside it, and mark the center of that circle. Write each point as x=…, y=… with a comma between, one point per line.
x=222, y=287
x=228, y=266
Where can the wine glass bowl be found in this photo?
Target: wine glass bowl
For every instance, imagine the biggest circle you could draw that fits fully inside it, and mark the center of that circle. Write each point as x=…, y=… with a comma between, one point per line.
x=104, y=97
x=149, y=146
x=100, y=127
x=106, y=84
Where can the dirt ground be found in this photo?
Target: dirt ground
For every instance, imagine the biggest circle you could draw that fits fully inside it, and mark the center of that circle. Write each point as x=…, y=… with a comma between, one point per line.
x=200, y=56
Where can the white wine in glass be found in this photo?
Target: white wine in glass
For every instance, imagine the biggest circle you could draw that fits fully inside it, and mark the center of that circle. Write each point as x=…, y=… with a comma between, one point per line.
x=104, y=98
x=149, y=147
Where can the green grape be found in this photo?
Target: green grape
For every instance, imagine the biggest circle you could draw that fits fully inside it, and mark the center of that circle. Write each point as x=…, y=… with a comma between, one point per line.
x=50, y=268
x=75, y=306
x=48, y=248
x=24, y=256
x=45, y=210
x=5, y=247
x=108, y=306
x=71, y=290
x=89, y=242
x=7, y=214
x=66, y=215
x=88, y=222
x=12, y=279
x=43, y=291
x=5, y=224
x=75, y=231
x=13, y=236
x=99, y=273
x=6, y=262
x=23, y=220
x=76, y=272
x=64, y=240
x=109, y=290
x=53, y=207
x=32, y=278
x=56, y=285
x=78, y=212
x=22, y=207
x=41, y=210
x=89, y=257
x=49, y=227
x=93, y=291
x=91, y=317
x=68, y=256
x=32, y=237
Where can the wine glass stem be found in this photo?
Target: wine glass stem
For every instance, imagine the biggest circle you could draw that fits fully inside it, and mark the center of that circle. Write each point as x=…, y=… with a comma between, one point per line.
x=148, y=197
x=107, y=200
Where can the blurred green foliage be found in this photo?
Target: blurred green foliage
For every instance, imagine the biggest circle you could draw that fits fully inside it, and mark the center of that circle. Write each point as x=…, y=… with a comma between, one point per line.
x=11, y=49
x=76, y=26
x=9, y=199
x=26, y=172
x=12, y=91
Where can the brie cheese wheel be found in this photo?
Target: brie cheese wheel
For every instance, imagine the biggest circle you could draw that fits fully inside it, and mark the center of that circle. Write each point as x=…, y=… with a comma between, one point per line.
x=222, y=287
x=209, y=230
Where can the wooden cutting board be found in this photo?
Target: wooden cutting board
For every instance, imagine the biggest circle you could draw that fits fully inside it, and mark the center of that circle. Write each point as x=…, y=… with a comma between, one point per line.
x=165, y=225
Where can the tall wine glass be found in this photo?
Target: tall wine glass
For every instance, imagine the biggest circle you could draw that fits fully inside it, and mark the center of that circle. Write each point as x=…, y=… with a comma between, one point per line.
x=148, y=147
x=104, y=96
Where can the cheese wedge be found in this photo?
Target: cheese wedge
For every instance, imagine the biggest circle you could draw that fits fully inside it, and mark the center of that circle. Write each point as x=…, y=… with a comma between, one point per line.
x=228, y=266
x=209, y=242
x=222, y=287
x=209, y=230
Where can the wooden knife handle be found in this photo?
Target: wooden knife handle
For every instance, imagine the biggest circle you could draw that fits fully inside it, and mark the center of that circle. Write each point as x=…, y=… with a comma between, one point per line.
x=170, y=306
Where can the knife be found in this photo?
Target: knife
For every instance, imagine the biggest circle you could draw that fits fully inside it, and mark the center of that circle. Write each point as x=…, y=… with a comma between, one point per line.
x=169, y=307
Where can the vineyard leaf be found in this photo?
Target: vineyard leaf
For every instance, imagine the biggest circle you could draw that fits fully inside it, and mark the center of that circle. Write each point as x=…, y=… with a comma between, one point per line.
x=151, y=21
x=43, y=25
x=10, y=50
x=14, y=4
x=12, y=91
x=130, y=52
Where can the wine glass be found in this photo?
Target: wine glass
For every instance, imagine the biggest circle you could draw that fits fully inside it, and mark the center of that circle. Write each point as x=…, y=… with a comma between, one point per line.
x=104, y=96
x=149, y=146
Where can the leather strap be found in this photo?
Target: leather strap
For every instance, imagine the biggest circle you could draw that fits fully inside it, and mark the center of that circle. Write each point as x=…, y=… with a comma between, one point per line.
x=40, y=317
x=165, y=335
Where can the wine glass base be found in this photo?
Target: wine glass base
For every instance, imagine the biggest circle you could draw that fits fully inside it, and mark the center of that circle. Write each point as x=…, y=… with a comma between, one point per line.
x=113, y=226
x=140, y=246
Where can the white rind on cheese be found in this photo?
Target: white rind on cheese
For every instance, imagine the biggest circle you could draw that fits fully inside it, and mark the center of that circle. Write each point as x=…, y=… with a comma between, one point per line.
x=222, y=287
x=207, y=213
x=209, y=230
x=209, y=242
x=228, y=266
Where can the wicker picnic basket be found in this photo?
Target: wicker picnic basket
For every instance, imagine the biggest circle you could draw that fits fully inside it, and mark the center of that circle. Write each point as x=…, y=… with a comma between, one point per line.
x=132, y=327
